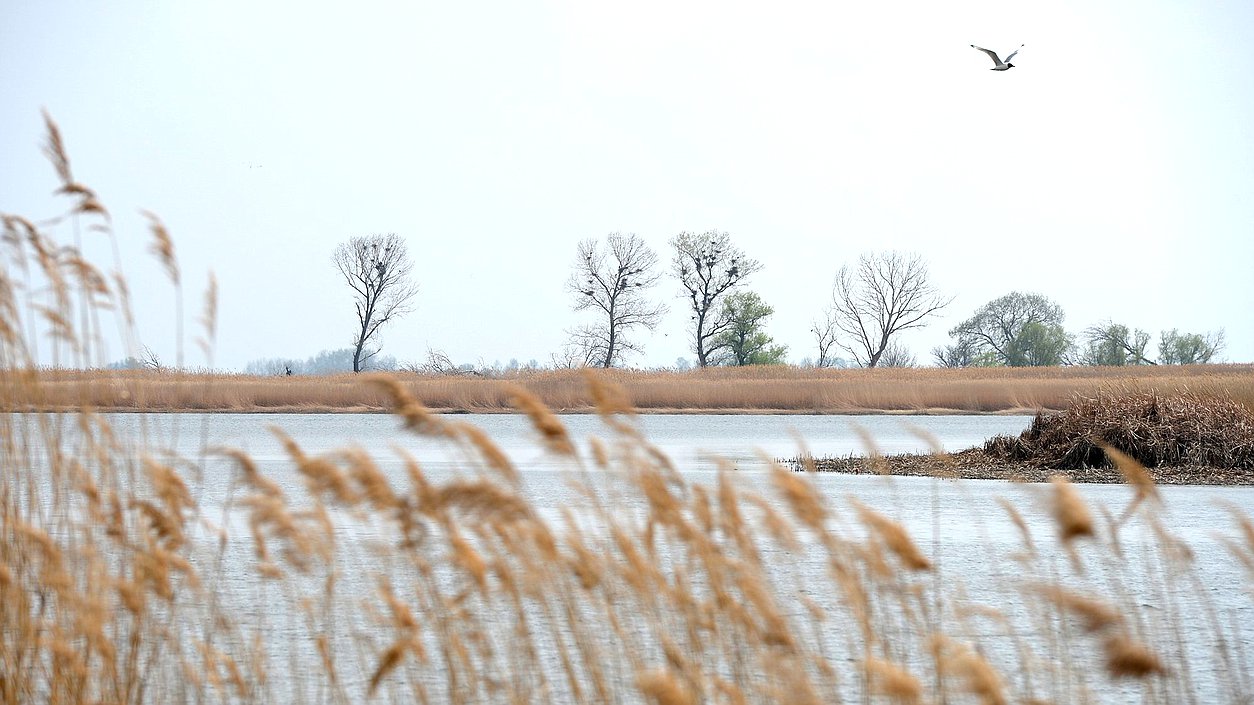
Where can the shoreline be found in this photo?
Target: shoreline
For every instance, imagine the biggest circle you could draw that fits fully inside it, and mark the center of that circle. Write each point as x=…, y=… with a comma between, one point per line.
x=765, y=390
x=453, y=411
x=975, y=464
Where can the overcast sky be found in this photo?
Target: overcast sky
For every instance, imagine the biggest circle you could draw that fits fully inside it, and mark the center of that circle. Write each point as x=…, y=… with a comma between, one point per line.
x=1111, y=170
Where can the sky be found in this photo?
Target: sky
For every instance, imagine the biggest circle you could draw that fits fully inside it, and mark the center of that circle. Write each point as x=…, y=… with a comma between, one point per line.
x=1111, y=170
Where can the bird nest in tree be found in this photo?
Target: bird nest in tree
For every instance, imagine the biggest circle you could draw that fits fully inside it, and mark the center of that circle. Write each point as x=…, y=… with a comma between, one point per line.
x=1159, y=430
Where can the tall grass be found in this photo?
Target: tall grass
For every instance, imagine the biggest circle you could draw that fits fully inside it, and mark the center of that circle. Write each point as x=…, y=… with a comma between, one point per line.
x=357, y=575
x=754, y=389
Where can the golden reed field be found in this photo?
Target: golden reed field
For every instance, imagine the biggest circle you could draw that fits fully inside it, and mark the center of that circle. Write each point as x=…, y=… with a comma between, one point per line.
x=719, y=390
x=133, y=574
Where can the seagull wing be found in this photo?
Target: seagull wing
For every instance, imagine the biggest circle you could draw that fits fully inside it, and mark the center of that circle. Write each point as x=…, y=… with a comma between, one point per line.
x=1012, y=54
x=991, y=53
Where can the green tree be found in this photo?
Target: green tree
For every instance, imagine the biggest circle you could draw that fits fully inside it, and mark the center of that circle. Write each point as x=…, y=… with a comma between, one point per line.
x=1038, y=345
x=743, y=341
x=1018, y=329
x=1176, y=348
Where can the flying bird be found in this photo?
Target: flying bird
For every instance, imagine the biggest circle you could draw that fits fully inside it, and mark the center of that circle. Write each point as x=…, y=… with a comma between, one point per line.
x=1000, y=65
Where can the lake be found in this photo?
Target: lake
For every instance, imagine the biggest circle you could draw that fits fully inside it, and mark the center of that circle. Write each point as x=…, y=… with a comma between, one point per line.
x=692, y=441
x=961, y=525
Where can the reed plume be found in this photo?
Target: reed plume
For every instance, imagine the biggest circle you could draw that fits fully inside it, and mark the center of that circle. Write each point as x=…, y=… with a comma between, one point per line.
x=1071, y=514
x=1126, y=658
x=552, y=432
x=895, y=537
x=893, y=681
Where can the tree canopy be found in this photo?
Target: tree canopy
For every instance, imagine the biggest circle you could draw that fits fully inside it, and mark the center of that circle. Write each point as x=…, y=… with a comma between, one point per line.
x=613, y=282
x=1017, y=329
x=1114, y=344
x=377, y=268
x=887, y=293
x=1176, y=348
x=743, y=341
x=708, y=266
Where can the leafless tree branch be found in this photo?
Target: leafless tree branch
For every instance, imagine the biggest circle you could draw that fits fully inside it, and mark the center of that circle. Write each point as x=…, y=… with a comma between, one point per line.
x=886, y=294
x=377, y=268
x=825, y=337
x=613, y=283
x=708, y=266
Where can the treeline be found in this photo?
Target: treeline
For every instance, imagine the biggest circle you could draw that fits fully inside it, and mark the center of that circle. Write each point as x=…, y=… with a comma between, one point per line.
x=1026, y=330
x=873, y=302
x=613, y=280
x=333, y=362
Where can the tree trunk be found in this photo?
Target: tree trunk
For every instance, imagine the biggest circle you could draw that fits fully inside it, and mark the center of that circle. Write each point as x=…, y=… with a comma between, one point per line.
x=609, y=350
x=701, y=356
x=361, y=343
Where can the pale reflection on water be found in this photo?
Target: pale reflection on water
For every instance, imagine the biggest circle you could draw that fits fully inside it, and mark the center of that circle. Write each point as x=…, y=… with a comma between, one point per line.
x=690, y=440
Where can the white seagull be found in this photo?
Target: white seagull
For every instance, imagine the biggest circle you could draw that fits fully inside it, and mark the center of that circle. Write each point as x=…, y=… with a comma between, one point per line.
x=1001, y=65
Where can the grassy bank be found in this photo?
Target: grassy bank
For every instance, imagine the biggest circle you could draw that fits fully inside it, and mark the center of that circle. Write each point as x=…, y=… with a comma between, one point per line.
x=722, y=390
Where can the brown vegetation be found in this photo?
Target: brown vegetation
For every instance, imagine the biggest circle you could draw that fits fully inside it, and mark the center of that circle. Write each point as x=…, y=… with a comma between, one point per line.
x=335, y=578
x=976, y=464
x=745, y=389
x=1180, y=438
x=1156, y=430
x=118, y=585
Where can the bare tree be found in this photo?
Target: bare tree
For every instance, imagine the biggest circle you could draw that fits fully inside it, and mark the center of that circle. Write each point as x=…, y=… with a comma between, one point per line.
x=377, y=269
x=151, y=361
x=960, y=354
x=898, y=355
x=888, y=293
x=574, y=355
x=438, y=363
x=612, y=282
x=825, y=336
x=707, y=266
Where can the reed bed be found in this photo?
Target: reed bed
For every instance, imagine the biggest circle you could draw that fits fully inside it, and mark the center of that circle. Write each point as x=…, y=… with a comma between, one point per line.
x=726, y=390
x=132, y=574
x=1154, y=429
x=1181, y=438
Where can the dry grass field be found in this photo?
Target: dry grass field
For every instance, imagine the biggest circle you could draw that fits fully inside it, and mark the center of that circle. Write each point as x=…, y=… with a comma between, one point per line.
x=722, y=390
x=328, y=578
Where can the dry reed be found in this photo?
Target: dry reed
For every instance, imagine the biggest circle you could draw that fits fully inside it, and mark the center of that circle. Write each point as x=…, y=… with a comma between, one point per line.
x=1149, y=428
x=728, y=390
x=124, y=579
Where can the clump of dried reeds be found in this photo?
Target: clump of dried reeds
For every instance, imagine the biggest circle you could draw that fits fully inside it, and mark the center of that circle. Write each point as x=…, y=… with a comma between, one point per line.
x=1154, y=429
